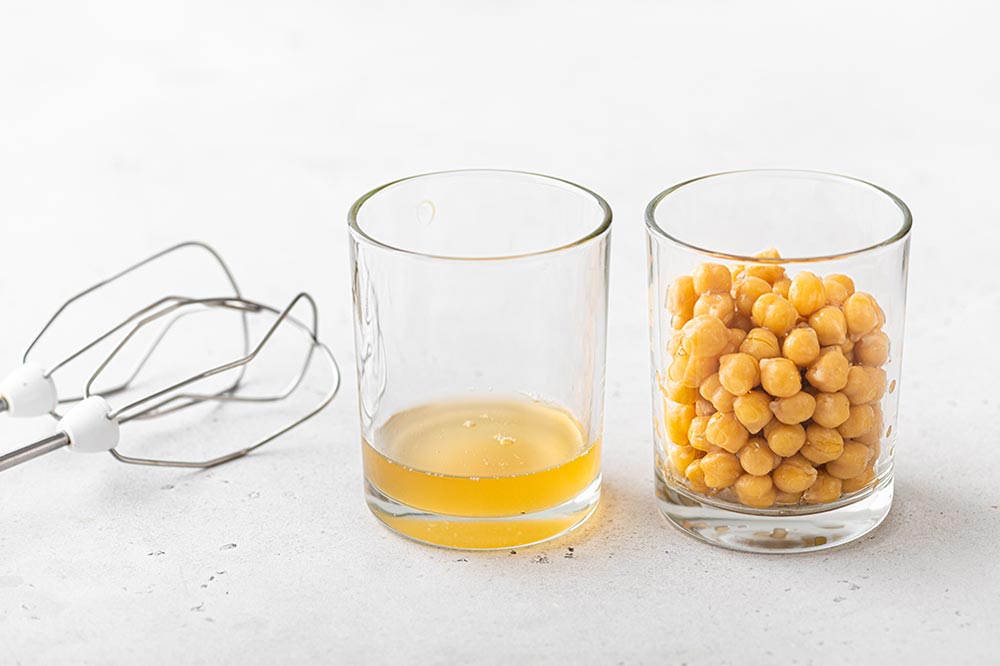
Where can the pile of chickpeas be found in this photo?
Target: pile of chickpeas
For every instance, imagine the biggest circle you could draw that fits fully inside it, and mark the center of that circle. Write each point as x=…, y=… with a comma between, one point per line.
x=774, y=384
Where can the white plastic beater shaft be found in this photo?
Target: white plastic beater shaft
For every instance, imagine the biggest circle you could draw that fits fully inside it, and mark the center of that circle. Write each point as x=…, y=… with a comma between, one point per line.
x=28, y=392
x=89, y=428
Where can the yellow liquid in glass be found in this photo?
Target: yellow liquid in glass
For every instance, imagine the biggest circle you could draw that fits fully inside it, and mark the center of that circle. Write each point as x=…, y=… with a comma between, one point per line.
x=494, y=459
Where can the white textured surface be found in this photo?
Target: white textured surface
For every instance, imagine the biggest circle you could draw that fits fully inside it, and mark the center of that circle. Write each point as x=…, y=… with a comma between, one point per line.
x=254, y=125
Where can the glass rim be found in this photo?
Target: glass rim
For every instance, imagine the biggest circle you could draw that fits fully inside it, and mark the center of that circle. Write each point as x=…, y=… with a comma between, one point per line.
x=904, y=230
x=601, y=229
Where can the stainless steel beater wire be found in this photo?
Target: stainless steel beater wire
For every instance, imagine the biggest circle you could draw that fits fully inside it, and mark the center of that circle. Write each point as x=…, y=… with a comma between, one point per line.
x=3, y=405
x=189, y=244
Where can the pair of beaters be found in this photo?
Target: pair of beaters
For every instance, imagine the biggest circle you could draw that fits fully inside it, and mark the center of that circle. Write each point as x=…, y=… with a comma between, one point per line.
x=88, y=421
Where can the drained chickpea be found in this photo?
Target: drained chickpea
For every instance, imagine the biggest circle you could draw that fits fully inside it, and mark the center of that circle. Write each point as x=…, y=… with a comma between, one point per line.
x=719, y=305
x=767, y=272
x=784, y=439
x=696, y=477
x=698, y=369
x=801, y=346
x=830, y=325
x=872, y=438
x=676, y=342
x=836, y=292
x=843, y=280
x=696, y=433
x=748, y=290
x=681, y=298
x=828, y=373
x=782, y=287
x=681, y=456
x=822, y=444
x=832, y=409
x=703, y=407
x=720, y=469
x=756, y=458
x=726, y=432
x=706, y=335
x=860, y=388
x=737, y=335
x=755, y=491
x=712, y=390
x=678, y=366
x=826, y=488
x=780, y=377
x=859, y=482
x=738, y=373
x=753, y=410
x=679, y=417
x=794, y=475
x=678, y=392
x=872, y=349
x=862, y=314
x=711, y=278
x=760, y=343
x=787, y=498
x=852, y=461
x=794, y=409
x=807, y=293
x=773, y=312
x=860, y=421
x=742, y=322
x=878, y=380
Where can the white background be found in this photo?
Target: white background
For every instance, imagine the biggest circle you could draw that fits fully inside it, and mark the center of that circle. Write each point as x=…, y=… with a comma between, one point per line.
x=127, y=126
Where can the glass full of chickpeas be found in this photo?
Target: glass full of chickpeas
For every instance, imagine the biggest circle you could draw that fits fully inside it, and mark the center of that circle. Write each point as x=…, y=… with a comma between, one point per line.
x=777, y=302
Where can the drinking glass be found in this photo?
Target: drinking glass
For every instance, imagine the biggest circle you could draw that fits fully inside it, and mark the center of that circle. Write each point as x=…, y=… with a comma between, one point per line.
x=777, y=303
x=480, y=308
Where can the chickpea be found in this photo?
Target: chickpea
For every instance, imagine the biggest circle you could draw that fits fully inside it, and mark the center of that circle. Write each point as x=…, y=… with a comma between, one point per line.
x=826, y=488
x=872, y=349
x=703, y=407
x=830, y=325
x=784, y=439
x=760, y=343
x=878, y=380
x=807, y=293
x=860, y=421
x=753, y=410
x=679, y=417
x=696, y=477
x=843, y=280
x=794, y=409
x=767, y=272
x=720, y=469
x=756, y=458
x=861, y=388
x=787, y=498
x=678, y=366
x=736, y=271
x=836, y=292
x=801, y=346
x=696, y=433
x=774, y=313
x=859, y=482
x=681, y=298
x=794, y=475
x=829, y=372
x=711, y=278
x=719, y=305
x=852, y=461
x=780, y=377
x=712, y=390
x=742, y=322
x=724, y=431
x=678, y=392
x=738, y=373
x=737, y=336
x=822, y=444
x=862, y=314
x=676, y=343
x=871, y=438
x=699, y=369
x=847, y=349
x=781, y=287
x=681, y=456
x=748, y=290
x=706, y=335
x=755, y=491
x=832, y=409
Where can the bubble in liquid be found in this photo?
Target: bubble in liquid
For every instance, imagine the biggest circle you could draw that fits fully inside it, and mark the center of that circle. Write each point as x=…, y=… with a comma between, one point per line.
x=504, y=440
x=469, y=424
x=426, y=211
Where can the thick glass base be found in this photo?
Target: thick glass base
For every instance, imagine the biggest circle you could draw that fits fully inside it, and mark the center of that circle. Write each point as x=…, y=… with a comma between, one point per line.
x=792, y=530
x=476, y=533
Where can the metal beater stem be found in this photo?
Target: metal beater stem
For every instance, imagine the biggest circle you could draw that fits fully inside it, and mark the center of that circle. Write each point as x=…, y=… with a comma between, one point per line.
x=32, y=451
x=3, y=406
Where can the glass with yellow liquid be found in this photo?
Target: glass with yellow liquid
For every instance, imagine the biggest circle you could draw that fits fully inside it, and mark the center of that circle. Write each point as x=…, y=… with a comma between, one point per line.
x=480, y=317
